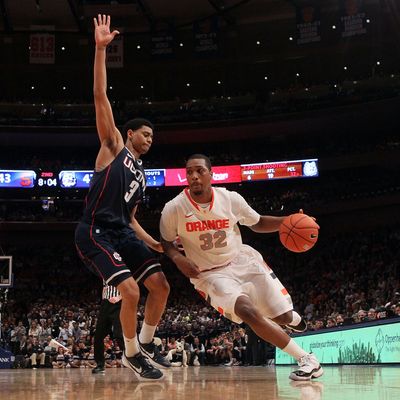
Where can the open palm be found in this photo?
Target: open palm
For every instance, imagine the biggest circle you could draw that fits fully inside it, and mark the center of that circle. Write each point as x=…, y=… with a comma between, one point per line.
x=102, y=33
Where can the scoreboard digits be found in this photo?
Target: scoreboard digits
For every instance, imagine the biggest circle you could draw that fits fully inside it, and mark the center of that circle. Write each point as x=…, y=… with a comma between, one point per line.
x=17, y=179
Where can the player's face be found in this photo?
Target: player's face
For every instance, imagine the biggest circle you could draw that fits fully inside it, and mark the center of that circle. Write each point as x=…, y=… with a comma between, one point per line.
x=141, y=139
x=198, y=176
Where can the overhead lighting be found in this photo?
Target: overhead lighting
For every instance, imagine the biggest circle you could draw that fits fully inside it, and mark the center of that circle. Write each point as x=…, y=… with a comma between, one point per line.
x=64, y=88
x=290, y=38
x=33, y=87
x=265, y=77
x=188, y=84
x=297, y=74
x=180, y=44
x=219, y=82
x=141, y=87
x=110, y=87
x=345, y=68
x=378, y=63
x=62, y=48
x=138, y=46
x=333, y=27
x=258, y=43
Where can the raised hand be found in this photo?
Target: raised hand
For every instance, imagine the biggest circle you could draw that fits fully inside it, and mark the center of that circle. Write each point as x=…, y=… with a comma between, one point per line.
x=102, y=34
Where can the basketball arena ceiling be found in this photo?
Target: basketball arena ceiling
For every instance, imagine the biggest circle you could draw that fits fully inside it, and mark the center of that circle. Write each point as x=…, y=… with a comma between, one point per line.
x=139, y=15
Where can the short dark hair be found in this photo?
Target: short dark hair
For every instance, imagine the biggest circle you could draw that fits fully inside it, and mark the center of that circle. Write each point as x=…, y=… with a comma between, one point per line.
x=135, y=124
x=201, y=156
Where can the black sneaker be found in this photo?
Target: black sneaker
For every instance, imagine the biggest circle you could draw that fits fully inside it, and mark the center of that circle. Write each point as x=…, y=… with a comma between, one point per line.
x=301, y=327
x=141, y=366
x=99, y=369
x=151, y=351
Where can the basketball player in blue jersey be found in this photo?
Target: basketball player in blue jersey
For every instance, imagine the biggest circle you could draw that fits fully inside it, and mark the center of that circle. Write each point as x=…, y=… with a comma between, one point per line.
x=109, y=239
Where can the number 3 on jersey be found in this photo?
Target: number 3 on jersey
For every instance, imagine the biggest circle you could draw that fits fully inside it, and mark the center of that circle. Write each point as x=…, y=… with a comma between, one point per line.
x=133, y=187
x=217, y=240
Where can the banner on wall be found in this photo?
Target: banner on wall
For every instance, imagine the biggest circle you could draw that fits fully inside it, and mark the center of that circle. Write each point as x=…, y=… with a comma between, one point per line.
x=115, y=53
x=359, y=345
x=308, y=24
x=352, y=18
x=6, y=358
x=42, y=48
x=206, y=36
x=163, y=46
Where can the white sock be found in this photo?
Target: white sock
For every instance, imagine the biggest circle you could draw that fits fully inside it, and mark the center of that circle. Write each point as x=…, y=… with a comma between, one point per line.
x=294, y=350
x=147, y=333
x=131, y=346
x=296, y=318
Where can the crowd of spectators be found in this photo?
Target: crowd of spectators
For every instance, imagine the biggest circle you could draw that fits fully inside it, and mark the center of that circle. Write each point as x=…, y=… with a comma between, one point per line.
x=340, y=282
x=295, y=97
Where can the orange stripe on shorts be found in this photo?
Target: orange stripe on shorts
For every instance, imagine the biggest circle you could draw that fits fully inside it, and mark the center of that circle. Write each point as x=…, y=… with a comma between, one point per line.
x=284, y=291
x=220, y=310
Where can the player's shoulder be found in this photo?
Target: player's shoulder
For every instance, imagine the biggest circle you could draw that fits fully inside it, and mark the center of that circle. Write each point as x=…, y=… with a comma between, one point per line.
x=174, y=203
x=224, y=192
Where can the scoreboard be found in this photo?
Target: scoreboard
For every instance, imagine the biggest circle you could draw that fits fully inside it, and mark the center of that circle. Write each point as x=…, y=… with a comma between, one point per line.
x=279, y=170
x=80, y=179
x=14, y=178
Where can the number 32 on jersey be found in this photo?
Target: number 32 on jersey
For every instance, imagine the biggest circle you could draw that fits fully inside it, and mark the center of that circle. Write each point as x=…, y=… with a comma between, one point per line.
x=215, y=240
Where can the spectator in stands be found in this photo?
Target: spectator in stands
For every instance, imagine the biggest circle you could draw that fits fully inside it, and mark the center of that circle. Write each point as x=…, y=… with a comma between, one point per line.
x=35, y=330
x=197, y=352
x=36, y=352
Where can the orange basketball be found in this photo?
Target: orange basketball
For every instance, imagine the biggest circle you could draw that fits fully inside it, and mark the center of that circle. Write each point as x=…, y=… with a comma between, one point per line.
x=298, y=232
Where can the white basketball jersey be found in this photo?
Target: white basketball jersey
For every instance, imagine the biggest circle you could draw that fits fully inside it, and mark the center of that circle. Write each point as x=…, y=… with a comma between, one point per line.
x=210, y=236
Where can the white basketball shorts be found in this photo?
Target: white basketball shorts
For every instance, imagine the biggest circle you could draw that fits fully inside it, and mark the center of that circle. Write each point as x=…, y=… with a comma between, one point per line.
x=246, y=275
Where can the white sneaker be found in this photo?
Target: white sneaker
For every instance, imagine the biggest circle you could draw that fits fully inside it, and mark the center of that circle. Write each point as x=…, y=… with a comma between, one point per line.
x=309, y=368
x=229, y=364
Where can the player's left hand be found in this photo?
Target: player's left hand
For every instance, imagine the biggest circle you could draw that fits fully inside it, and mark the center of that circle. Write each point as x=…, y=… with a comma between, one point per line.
x=102, y=34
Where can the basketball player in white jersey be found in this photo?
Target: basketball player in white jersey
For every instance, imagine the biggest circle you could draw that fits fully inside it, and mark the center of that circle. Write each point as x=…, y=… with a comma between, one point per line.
x=230, y=275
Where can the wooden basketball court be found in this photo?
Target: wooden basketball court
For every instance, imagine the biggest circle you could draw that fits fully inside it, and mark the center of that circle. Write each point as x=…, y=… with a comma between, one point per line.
x=198, y=383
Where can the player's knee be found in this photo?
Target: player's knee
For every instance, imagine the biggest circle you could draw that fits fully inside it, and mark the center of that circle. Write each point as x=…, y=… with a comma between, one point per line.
x=158, y=283
x=284, y=319
x=130, y=293
x=165, y=288
x=246, y=311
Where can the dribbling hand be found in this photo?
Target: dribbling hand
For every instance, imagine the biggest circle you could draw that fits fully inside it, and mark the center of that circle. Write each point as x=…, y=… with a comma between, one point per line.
x=102, y=34
x=302, y=212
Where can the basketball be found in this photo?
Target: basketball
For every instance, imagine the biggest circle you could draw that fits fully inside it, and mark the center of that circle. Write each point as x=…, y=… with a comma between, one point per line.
x=298, y=232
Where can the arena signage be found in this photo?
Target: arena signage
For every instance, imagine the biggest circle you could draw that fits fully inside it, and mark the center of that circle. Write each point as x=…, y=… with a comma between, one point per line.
x=361, y=344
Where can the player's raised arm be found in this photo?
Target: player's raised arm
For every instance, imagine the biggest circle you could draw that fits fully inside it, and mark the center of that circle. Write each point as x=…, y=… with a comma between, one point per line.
x=108, y=133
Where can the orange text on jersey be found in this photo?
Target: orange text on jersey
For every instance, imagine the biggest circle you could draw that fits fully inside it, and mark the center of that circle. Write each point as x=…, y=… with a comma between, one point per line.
x=208, y=225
